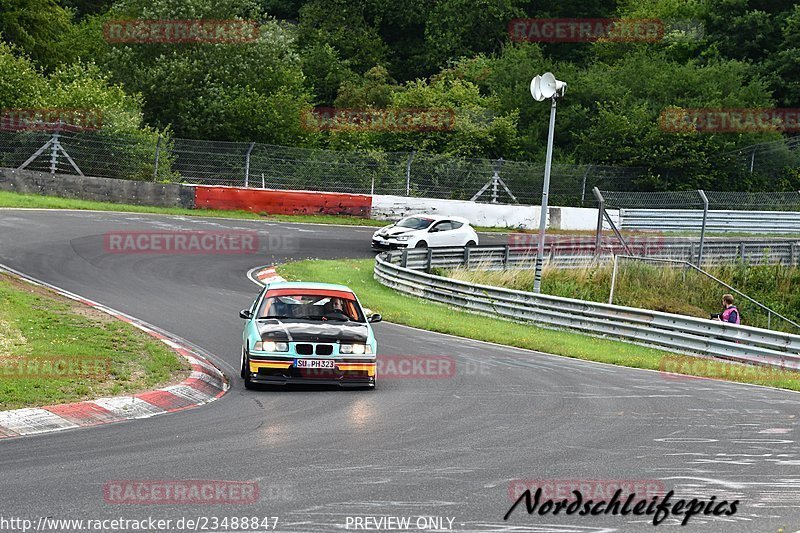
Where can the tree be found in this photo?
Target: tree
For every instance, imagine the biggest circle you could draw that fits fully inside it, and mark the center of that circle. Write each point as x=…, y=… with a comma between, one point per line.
x=35, y=26
x=238, y=91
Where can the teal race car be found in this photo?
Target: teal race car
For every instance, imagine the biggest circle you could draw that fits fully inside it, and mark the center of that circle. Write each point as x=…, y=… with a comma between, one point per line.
x=308, y=333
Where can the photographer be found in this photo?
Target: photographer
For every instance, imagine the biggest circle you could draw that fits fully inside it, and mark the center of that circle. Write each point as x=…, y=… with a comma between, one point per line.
x=730, y=313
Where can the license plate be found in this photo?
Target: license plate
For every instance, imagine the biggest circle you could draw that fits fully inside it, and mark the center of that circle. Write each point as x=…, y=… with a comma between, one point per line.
x=313, y=363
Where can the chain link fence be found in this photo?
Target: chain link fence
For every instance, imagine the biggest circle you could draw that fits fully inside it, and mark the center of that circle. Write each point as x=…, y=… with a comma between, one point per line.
x=149, y=156
x=717, y=200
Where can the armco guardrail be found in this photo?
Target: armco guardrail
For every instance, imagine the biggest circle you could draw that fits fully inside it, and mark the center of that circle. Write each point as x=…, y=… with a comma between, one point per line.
x=662, y=330
x=577, y=254
x=718, y=221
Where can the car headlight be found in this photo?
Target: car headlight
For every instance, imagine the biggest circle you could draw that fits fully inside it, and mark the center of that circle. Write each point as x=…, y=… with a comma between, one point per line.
x=269, y=346
x=403, y=237
x=356, y=349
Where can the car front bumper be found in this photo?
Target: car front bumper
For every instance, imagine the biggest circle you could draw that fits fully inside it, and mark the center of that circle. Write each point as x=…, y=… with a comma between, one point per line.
x=346, y=373
x=385, y=244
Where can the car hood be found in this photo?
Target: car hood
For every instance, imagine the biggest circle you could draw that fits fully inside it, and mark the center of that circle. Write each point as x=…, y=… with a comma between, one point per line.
x=288, y=331
x=393, y=231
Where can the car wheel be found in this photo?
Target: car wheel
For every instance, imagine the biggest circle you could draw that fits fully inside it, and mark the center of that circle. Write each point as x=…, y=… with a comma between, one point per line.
x=421, y=244
x=248, y=383
x=470, y=243
x=243, y=369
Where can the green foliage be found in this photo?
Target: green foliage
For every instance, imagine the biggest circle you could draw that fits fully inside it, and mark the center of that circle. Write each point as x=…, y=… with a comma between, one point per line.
x=426, y=54
x=35, y=27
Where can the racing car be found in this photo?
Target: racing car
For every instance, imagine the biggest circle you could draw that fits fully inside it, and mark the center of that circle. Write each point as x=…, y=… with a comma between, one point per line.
x=308, y=333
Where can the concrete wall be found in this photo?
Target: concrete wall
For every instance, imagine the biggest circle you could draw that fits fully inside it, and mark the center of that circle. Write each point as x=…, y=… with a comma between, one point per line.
x=98, y=189
x=279, y=202
x=579, y=218
x=386, y=207
x=380, y=207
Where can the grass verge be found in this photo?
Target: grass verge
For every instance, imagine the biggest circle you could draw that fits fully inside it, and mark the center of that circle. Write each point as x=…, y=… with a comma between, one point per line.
x=662, y=288
x=423, y=314
x=54, y=350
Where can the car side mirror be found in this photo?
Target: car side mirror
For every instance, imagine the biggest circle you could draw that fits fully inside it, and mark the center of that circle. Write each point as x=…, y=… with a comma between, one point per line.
x=246, y=314
x=433, y=230
x=375, y=318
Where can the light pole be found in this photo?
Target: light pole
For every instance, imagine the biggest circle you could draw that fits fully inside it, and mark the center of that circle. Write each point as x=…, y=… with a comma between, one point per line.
x=542, y=88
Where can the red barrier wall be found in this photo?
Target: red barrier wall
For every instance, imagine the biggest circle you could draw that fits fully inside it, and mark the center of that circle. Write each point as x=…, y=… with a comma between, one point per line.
x=279, y=202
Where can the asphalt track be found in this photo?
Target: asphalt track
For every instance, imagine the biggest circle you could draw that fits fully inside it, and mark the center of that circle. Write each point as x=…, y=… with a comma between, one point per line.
x=414, y=447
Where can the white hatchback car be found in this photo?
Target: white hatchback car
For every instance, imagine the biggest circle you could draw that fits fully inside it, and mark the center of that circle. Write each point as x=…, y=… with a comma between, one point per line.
x=423, y=231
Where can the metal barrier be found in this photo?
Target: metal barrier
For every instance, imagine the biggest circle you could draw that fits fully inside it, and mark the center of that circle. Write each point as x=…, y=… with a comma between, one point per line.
x=675, y=333
x=580, y=252
x=718, y=221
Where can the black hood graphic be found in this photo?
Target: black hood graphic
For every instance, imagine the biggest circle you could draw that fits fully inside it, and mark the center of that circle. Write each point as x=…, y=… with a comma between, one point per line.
x=328, y=331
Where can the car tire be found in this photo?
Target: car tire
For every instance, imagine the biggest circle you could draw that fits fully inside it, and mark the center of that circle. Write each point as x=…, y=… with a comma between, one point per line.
x=470, y=243
x=248, y=384
x=243, y=366
x=421, y=244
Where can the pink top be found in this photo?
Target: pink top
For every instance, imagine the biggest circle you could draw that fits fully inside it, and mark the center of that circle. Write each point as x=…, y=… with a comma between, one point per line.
x=731, y=314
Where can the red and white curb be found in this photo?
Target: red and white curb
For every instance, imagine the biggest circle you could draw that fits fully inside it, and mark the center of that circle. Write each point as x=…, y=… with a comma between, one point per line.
x=205, y=384
x=264, y=275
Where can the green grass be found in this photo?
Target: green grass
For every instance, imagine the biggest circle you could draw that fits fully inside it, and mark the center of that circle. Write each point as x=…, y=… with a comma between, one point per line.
x=423, y=314
x=39, y=328
x=671, y=290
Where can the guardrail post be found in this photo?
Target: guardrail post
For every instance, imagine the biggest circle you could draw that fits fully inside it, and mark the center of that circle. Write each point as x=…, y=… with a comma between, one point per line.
x=404, y=259
x=792, y=254
x=703, y=227
x=466, y=257
x=428, y=260
x=741, y=251
x=506, y=253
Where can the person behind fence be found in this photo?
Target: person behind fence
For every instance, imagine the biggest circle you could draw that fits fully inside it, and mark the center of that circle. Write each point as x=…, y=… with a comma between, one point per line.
x=730, y=313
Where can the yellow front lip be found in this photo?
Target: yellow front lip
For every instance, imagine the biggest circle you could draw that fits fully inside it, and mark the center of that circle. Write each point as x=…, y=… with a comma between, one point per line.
x=369, y=368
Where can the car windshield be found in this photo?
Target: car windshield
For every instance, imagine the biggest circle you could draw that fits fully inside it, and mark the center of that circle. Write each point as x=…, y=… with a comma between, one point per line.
x=415, y=222
x=310, y=307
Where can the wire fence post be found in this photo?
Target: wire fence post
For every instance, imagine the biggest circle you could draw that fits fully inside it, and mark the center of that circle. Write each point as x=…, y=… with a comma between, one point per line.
x=703, y=227
x=54, y=153
x=496, y=179
x=600, y=208
x=408, y=173
x=158, y=153
x=583, y=185
x=247, y=165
